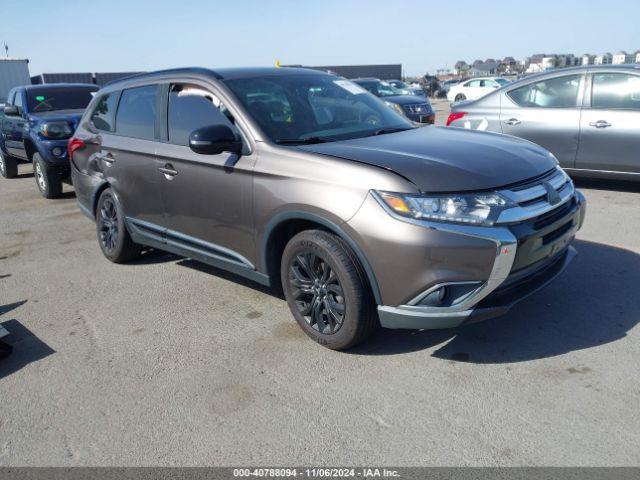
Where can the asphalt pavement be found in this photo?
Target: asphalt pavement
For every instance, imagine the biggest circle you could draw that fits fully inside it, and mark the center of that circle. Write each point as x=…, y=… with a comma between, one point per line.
x=168, y=362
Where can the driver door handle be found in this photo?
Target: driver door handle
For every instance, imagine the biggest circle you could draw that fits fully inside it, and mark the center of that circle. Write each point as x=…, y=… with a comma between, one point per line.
x=106, y=157
x=513, y=121
x=600, y=124
x=168, y=171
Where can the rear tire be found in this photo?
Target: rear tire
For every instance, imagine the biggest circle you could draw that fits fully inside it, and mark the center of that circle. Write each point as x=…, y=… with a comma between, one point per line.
x=8, y=166
x=460, y=97
x=47, y=179
x=326, y=290
x=113, y=236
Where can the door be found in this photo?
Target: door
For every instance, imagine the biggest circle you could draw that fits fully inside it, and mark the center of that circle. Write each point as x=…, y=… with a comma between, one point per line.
x=546, y=112
x=472, y=89
x=126, y=155
x=13, y=127
x=207, y=198
x=486, y=87
x=610, y=125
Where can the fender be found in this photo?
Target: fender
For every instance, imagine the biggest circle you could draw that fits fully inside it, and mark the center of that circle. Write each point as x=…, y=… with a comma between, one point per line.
x=302, y=215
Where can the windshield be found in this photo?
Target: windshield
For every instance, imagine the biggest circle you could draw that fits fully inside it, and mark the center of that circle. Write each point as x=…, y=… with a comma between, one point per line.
x=502, y=82
x=51, y=99
x=314, y=108
x=379, y=89
x=399, y=84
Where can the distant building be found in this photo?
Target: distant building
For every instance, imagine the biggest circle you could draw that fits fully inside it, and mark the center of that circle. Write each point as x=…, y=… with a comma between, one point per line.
x=622, y=57
x=603, y=59
x=460, y=68
x=637, y=60
x=587, y=59
x=484, y=69
x=383, y=72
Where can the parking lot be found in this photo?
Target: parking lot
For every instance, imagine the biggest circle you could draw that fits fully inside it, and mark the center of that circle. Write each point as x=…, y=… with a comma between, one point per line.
x=168, y=362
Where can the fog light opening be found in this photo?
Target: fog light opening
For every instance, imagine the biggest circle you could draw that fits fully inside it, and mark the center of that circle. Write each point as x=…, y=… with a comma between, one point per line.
x=57, y=151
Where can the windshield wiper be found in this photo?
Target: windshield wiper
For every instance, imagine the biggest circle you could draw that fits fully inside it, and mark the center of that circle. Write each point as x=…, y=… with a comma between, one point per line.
x=301, y=141
x=384, y=131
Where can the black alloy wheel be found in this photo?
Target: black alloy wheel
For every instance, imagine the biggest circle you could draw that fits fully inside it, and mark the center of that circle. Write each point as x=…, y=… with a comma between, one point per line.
x=108, y=224
x=318, y=294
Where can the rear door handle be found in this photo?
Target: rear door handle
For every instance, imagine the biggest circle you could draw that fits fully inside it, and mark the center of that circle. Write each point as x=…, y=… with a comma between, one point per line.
x=513, y=121
x=600, y=124
x=168, y=171
x=106, y=157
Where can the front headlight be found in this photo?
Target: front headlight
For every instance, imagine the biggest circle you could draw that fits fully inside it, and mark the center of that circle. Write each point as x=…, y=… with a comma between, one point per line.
x=395, y=107
x=477, y=209
x=56, y=130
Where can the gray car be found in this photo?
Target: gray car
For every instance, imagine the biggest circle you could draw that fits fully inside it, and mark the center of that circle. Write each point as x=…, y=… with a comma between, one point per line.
x=302, y=180
x=588, y=117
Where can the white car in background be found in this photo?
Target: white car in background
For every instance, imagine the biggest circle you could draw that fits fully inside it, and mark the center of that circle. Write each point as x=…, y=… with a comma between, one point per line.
x=475, y=88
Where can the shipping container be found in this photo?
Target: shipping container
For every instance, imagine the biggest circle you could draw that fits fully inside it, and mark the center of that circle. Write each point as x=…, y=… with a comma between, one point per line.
x=13, y=73
x=62, y=78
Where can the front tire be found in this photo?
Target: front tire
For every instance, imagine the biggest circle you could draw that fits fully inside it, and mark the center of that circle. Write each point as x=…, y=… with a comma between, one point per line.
x=326, y=290
x=48, y=180
x=113, y=236
x=8, y=166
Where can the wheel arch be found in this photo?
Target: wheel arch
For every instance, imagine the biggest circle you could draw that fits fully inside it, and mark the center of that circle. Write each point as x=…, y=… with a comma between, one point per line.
x=30, y=148
x=96, y=196
x=282, y=227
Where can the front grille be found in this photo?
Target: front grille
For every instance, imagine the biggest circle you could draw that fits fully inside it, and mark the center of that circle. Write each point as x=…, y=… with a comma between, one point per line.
x=557, y=233
x=552, y=216
x=538, y=198
x=418, y=109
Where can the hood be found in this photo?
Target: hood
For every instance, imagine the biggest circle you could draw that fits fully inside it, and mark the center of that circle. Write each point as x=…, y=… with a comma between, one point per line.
x=72, y=116
x=405, y=99
x=439, y=159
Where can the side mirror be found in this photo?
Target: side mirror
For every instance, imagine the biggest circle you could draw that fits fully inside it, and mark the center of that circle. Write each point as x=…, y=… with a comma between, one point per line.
x=11, y=111
x=215, y=139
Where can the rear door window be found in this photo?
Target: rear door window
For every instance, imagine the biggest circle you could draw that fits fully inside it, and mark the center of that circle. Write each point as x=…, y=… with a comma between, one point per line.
x=104, y=114
x=137, y=113
x=557, y=92
x=616, y=91
x=192, y=107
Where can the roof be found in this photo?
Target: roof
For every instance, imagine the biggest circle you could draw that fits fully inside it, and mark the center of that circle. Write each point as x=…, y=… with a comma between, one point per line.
x=224, y=73
x=580, y=68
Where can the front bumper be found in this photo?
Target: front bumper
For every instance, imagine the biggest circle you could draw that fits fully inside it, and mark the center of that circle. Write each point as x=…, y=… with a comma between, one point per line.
x=528, y=256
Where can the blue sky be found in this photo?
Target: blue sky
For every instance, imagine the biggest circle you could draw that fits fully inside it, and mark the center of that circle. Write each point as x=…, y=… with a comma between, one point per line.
x=117, y=35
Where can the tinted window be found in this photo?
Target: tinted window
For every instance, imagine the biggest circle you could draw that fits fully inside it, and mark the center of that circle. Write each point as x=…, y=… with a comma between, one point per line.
x=104, y=114
x=473, y=83
x=558, y=92
x=137, y=113
x=190, y=108
x=616, y=91
x=51, y=99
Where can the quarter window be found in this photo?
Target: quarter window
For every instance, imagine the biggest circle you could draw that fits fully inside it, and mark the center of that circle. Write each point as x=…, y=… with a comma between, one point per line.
x=557, y=92
x=137, y=112
x=104, y=113
x=616, y=91
x=192, y=107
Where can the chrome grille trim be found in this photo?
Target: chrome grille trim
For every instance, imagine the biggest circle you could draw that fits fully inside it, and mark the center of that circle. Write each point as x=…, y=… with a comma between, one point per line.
x=532, y=201
x=417, y=108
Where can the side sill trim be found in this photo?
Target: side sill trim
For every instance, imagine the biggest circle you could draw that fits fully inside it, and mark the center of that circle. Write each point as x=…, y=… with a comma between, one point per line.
x=152, y=235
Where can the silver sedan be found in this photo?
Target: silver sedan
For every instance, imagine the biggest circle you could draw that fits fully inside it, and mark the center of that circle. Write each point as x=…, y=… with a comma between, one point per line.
x=588, y=117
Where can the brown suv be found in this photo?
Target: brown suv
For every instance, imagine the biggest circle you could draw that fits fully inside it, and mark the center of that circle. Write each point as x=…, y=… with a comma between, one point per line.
x=303, y=179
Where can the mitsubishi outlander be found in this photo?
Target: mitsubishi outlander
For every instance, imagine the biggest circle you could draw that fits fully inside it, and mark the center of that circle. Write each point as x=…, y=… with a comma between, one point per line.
x=304, y=180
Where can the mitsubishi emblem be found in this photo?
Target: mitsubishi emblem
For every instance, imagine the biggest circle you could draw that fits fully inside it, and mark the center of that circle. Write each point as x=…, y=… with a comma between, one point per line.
x=552, y=194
